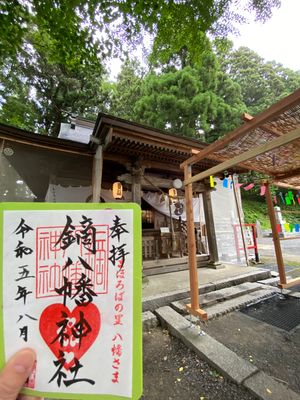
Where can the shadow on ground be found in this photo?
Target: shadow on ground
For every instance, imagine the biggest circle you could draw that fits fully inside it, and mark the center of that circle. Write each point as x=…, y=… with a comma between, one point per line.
x=173, y=372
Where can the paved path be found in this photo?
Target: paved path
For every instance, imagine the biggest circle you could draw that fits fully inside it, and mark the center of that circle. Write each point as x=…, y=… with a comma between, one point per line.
x=174, y=281
x=290, y=251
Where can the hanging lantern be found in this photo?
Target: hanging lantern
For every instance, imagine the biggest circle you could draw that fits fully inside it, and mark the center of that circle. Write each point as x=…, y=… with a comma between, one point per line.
x=117, y=190
x=172, y=193
x=177, y=183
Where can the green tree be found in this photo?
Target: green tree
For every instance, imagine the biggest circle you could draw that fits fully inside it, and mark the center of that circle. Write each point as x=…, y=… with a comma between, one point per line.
x=262, y=82
x=44, y=92
x=201, y=102
x=17, y=106
x=74, y=25
x=59, y=47
x=126, y=91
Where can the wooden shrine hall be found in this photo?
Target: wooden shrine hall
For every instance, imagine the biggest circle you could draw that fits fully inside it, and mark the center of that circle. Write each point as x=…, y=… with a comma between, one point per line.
x=116, y=160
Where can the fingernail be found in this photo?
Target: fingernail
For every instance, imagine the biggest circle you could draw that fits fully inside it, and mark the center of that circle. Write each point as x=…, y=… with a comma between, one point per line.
x=24, y=361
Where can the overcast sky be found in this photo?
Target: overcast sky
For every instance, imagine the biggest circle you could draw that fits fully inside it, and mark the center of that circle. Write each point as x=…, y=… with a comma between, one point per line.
x=278, y=38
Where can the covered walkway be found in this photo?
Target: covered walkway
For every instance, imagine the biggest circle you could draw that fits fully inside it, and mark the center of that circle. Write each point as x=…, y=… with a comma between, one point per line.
x=268, y=143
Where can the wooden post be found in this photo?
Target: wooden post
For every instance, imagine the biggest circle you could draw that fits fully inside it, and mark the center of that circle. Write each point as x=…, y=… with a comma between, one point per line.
x=210, y=228
x=275, y=234
x=240, y=221
x=97, y=174
x=194, y=307
x=136, y=187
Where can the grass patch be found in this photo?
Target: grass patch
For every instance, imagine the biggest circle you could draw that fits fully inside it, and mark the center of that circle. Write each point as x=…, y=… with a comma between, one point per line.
x=257, y=210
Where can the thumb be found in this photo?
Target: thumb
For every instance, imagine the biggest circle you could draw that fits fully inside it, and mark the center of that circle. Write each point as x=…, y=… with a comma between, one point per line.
x=15, y=373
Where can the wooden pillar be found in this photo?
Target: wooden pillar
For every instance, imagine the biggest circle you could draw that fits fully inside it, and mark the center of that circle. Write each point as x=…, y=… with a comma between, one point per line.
x=97, y=174
x=136, y=186
x=210, y=228
x=136, y=189
x=194, y=307
x=275, y=234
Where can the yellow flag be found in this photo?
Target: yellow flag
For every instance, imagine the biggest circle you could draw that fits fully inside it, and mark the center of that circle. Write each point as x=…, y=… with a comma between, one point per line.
x=211, y=180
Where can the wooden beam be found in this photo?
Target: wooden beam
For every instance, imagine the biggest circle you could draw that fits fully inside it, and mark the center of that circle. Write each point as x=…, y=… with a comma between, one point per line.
x=286, y=185
x=197, y=312
x=151, y=181
x=276, y=241
x=248, y=155
x=241, y=165
x=271, y=113
x=290, y=238
x=272, y=131
x=148, y=164
x=247, y=117
x=286, y=175
x=140, y=132
x=108, y=138
x=97, y=175
x=45, y=146
x=166, y=142
x=292, y=282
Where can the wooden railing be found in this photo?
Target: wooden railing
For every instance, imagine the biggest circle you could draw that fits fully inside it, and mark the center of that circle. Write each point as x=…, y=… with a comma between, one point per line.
x=156, y=245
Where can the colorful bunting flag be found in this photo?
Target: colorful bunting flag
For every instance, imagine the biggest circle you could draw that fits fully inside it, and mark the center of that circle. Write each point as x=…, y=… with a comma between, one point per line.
x=288, y=200
x=225, y=183
x=291, y=196
x=211, y=181
x=282, y=198
x=297, y=228
x=262, y=190
x=275, y=199
x=287, y=227
x=298, y=198
x=248, y=187
x=278, y=228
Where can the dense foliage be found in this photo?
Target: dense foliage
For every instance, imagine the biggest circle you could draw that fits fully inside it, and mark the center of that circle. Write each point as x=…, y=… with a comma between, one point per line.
x=201, y=102
x=39, y=93
x=81, y=29
x=54, y=55
x=262, y=83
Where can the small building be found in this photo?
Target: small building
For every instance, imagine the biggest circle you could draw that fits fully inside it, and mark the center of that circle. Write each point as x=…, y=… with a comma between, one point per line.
x=143, y=164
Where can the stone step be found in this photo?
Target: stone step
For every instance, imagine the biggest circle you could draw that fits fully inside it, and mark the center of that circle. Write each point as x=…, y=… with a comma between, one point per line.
x=236, y=303
x=211, y=298
x=270, y=281
x=149, y=321
x=151, y=303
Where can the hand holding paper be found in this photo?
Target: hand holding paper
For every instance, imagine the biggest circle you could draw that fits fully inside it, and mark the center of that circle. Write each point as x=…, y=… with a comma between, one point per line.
x=71, y=293
x=15, y=373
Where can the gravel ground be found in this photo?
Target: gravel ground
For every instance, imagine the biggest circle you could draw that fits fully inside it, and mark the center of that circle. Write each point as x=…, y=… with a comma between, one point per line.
x=173, y=372
x=272, y=350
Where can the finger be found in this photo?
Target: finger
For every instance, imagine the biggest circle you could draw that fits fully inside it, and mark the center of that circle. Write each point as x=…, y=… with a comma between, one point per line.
x=15, y=373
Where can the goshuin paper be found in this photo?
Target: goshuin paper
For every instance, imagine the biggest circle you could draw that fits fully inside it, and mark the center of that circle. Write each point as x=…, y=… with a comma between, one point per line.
x=71, y=290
